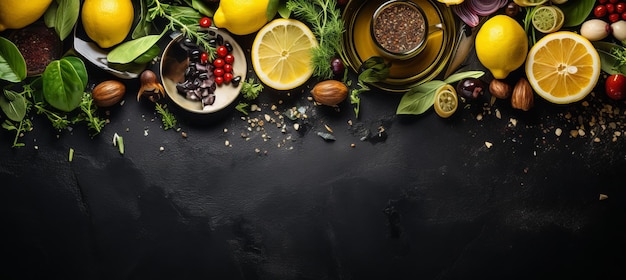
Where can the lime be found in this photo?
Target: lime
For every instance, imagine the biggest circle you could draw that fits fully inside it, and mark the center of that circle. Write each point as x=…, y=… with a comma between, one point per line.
x=548, y=19
x=526, y=3
x=446, y=101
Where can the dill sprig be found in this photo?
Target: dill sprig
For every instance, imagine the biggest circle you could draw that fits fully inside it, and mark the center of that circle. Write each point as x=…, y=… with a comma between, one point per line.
x=328, y=27
x=167, y=118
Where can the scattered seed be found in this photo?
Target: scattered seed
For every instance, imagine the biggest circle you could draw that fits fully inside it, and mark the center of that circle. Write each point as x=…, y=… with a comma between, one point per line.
x=488, y=145
x=603, y=196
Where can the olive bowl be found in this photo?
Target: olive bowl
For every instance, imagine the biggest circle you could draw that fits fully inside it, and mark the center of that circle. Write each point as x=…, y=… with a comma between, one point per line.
x=174, y=63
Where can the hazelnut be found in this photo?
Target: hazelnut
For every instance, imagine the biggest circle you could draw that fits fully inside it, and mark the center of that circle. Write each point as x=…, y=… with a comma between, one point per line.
x=522, y=97
x=500, y=89
x=330, y=92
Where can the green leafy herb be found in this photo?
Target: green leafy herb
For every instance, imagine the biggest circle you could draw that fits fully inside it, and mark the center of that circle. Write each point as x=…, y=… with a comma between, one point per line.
x=528, y=26
x=420, y=98
x=63, y=84
x=13, y=105
x=202, y=7
x=23, y=126
x=168, y=119
x=70, y=156
x=576, y=12
x=250, y=90
x=272, y=8
x=374, y=70
x=12, y=63
x=612, y=57
x=62, y=16
x=179, y=18
x=328, y=27
x=88, y=115
x=130, y=50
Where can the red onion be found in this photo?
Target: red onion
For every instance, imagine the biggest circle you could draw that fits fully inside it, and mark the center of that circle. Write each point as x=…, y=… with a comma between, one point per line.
x=470, y=10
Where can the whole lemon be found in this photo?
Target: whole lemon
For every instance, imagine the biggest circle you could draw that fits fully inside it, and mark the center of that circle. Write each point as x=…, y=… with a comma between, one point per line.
x=242, y=17
x=501, y=45
x=107, y=22
x=15, y=14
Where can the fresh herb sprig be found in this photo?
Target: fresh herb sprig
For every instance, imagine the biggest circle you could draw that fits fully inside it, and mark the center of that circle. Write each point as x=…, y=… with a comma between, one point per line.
x=179, y=18
x=167, y=118
x=328, y=27
x=88, y=114
x=250, y=90
x=373, y=70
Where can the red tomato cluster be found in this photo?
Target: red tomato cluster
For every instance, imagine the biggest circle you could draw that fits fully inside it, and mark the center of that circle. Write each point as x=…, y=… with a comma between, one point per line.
x=613, y=10
x=223, y=65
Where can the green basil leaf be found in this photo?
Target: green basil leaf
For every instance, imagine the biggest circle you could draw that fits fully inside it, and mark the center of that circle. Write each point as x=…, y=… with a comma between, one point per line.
x=12, y=63
x=148, y=55
x=130, y=50
x=428, y=86
x=282, y=9
x=67, y=15
x=144, y=26
x=576, y=11
x=202, y=7
x=50, y=17
x=463, y=75
x=37, y=87
x=272, y=8
x=80, y=68
x=416, y=102
x=62, y=86
x=13, y=105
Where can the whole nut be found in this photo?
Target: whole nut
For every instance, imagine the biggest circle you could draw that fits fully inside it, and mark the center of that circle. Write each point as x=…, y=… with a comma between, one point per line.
x=500, y=89
x=522, y=97
x=330, y=92
x=108, y=93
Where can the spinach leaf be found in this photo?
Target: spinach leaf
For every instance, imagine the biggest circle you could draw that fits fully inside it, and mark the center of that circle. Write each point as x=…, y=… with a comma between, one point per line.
x=576, y=11
x=66, y=17
x=416, y=102
x=79, y=66
x=13, y=105
x=129, y=51
x=50, y=17
x=62, y=85
x=12, y=63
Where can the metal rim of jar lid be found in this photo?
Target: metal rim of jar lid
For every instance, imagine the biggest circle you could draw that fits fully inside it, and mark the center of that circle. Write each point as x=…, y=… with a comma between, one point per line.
x=411, y=52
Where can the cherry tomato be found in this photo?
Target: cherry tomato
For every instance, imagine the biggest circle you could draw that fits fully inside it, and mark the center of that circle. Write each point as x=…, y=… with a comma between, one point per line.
x=610, y=8
x=228, y=77
x=218, y=72
x=229, y=58
x=218, y=63
x=219, y=81
x=620, y=7
x=221, y=51
x=615, y=87
x=204, y=57
x=614, y=17
x=600, y=11
x=205, y=22
x=228, y=68
x=624, y=16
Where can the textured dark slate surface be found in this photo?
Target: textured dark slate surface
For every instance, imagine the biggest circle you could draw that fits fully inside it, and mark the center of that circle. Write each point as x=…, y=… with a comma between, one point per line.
x=430, y=201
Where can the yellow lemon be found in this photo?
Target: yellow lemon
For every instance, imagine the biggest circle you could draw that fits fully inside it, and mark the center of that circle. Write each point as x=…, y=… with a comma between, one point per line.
x=563, y=67
x=501, y=45
x=15, y=14
x=242, y=17
x=107, y=22
x=281, y=54
x=450, y=2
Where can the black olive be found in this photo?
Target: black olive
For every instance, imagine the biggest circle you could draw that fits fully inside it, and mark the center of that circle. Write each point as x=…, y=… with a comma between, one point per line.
x=212, y=33
x=235, y=81
x=470, y=88
x=337, y=66
x=212, y=42
x=220, y=40
x=229, y=47
x=512, y=9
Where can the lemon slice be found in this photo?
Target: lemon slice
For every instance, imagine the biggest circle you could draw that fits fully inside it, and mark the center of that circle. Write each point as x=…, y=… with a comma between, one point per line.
x=548, y=19
x=563, y=67
x=281, y=54
x=446, y=101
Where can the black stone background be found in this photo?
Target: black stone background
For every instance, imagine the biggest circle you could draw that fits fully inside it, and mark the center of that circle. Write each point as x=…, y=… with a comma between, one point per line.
x=429, y=201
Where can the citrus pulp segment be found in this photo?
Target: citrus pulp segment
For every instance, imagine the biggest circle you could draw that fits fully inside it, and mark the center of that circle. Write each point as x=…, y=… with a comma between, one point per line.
x=563, y=67
x=281, y=54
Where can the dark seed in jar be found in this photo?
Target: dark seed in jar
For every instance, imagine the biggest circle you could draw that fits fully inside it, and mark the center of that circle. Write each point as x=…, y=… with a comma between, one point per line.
x=399, y=28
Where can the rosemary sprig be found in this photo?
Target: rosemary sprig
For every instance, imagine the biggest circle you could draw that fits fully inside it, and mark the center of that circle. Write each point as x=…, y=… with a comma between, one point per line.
x=328, y=27
x=167, y=118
